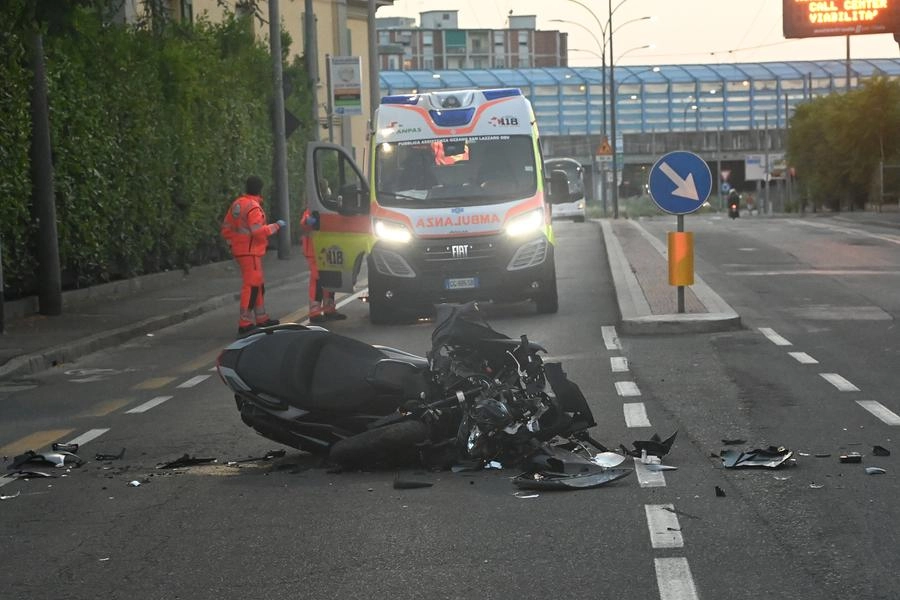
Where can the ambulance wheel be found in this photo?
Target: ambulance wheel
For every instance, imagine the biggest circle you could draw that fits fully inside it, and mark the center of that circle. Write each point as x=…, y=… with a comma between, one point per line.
x=548, y=300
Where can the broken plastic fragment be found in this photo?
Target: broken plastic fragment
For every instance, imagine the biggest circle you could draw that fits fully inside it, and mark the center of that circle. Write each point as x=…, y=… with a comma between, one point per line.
x=771, y=457
x=560, y=481
x=110, y=456
x=720, y=492
x=58, y=447
x=816, y=486
x=134, y=483
x=880, y=451
x=524, y=495
x=267, y=456
x=10, y=497
x=57, y=459
x=654, y=446
x=493, y=465
x=185, y=461
x=851, y=457
x=660, y=467
x=875, y=471
x=608, y=459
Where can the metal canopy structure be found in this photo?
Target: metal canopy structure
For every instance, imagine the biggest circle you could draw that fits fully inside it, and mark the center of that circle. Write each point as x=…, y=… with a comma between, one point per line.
x=698, y=97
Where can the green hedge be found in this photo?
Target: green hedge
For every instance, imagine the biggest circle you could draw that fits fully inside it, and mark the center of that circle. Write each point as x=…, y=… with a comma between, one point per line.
x=153, y=133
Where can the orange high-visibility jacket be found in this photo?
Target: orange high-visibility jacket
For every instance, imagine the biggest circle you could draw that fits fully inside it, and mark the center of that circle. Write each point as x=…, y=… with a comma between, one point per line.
x=245, y=227
x=308, y=250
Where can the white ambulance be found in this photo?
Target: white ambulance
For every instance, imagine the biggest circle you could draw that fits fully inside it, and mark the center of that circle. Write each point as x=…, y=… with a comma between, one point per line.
x=455, y=208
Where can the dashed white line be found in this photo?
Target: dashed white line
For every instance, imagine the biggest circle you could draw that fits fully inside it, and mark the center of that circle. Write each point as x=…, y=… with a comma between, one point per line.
x=647, y=478
x=627, y=388
x=610, y=337
x=665, y=532
x=87, y=436
x=774, y=337
x=673, y=576
x=803, y=358
x=635, y=414
x=880, y=411
x=193, y=381
x=839, y=382
x=148, y=405
x=618, y=364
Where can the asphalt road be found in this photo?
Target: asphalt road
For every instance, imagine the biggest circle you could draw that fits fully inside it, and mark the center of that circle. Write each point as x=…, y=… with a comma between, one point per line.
x=289, y=528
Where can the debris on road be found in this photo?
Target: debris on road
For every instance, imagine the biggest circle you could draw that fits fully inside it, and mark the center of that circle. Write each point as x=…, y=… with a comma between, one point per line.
x=720, y=493
x=851, y=457
x=185, y=461
x=408, y=484
x=106, y=457
x=654, y=446
x=56, y=459
x=267, y=456
x=59, y=447
x=10, y=497
x=608, y=459
x=880, y=451
x=771, y=457
x=563, y=481
x=875, y=471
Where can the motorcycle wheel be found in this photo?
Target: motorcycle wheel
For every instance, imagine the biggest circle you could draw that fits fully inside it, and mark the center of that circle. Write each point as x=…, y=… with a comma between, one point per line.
x=388, y=446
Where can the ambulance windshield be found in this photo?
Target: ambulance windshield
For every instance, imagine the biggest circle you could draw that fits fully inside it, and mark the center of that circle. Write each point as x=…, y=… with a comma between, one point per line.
x=453, y=171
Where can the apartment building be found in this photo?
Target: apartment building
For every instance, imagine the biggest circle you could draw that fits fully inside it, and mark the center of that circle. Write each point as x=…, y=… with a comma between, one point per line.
x=438, y=43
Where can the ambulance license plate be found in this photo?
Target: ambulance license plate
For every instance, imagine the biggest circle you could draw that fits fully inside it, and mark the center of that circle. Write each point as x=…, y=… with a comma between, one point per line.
x=461, y=283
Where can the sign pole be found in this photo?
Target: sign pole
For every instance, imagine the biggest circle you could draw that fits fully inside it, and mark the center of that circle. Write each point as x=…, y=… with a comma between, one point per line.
x=680, y=292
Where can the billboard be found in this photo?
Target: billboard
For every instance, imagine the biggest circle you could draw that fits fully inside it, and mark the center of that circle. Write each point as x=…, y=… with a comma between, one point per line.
x=346, y=84
x=814, y=18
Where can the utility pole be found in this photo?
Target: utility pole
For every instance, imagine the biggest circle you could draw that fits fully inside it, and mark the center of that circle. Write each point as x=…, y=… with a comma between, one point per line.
x=312, y=61
x=612, y=114
x=281, y=181
x=374, y=87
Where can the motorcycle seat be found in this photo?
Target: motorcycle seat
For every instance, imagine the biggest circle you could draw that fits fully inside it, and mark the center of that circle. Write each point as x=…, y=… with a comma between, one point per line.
x=313, y=370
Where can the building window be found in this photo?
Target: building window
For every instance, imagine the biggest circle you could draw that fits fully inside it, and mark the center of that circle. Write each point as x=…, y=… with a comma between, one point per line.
x=498, y=38
x=427, y=38
x=523, y=38
x=384, y=37
x=187, y=11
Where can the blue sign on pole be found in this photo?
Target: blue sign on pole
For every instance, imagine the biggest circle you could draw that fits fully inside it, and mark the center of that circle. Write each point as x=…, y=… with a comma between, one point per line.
x=680, y=182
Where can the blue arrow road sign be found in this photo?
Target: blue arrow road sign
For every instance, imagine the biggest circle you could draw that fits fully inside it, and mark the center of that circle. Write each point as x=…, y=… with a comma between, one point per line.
x=680, y=182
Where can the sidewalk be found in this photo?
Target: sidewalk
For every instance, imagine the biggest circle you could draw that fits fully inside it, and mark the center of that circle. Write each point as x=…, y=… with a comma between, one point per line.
x=106, y=315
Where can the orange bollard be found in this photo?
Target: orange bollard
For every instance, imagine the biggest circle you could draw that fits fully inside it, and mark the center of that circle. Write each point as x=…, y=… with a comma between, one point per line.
x=681, y=258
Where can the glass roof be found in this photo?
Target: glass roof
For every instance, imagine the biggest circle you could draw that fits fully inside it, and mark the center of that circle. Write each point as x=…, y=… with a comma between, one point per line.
x=399, y=81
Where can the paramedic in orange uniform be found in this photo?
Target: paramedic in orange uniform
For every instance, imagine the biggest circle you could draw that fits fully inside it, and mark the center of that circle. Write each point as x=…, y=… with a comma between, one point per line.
x=247, y=233
x=321, y=301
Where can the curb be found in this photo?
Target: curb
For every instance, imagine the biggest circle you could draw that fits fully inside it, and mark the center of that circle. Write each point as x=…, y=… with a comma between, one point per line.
x=636, y=317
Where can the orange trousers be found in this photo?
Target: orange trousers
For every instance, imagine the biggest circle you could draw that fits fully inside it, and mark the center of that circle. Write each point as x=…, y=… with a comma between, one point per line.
x=253, y=291
x=321, y=301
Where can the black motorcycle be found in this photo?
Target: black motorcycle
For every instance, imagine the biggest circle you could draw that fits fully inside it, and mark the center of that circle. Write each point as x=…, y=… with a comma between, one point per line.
x=477, y=396
x=734, y=207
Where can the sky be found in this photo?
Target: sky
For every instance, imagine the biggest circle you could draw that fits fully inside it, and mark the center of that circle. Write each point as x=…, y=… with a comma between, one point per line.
x=680, y=31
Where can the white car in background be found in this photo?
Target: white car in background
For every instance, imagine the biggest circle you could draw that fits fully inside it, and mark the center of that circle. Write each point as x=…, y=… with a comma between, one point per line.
x=575, y=172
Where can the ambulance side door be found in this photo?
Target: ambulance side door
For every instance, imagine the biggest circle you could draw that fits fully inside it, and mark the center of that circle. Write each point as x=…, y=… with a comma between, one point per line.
x=338, y=192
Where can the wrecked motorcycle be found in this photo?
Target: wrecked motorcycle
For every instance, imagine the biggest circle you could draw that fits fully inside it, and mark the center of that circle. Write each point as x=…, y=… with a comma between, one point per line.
x=477, y=396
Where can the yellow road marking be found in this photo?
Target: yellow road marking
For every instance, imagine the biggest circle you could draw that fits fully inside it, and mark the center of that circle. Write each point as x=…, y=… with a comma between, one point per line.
x=154, y=383
x=206, y=359
x=104, y=408
x=35, y=441
x=296, y=316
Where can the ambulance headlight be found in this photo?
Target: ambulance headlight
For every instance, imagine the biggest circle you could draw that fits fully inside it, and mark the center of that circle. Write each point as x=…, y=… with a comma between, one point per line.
x=392, y=231
x=525, y=224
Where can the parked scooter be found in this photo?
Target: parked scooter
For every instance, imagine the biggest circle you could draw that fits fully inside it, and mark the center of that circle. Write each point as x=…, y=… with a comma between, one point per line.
x=476, y=396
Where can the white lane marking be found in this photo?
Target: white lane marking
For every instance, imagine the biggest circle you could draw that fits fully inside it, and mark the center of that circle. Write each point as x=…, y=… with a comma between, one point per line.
x=148, y=405
x=635, y=414
x=839, y=382
x=880, y=411
x=627, y=388
x=610, y=337
x=673, y=576
x=87, y=436
x=4, y=479
x=803, y=358
x=648, y=478
x=853, y=232
x=618, y=364
x=213, y=369
x=193, y=381
x=665, y=532
x=774, y=337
